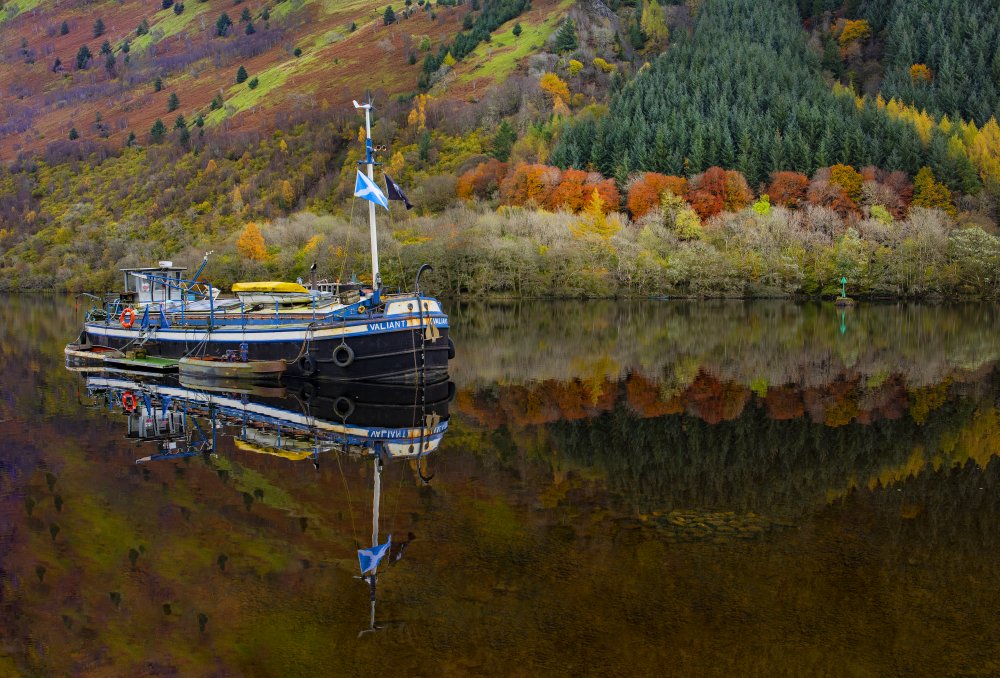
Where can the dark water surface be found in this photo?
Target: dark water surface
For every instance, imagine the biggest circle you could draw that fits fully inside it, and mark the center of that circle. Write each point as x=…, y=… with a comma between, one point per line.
x=668, y=489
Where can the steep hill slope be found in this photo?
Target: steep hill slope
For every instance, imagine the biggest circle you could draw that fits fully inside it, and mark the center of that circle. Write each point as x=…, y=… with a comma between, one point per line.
x=298, y=55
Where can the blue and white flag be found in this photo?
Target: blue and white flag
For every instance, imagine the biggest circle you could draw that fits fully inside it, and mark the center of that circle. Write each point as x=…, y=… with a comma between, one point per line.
x=370, y=558
x=366, y=188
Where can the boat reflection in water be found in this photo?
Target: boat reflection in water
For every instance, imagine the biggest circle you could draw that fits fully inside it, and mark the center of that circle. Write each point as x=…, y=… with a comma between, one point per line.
x=305, y=421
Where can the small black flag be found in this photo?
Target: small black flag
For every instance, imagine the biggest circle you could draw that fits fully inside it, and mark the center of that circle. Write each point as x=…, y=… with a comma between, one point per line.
x=394, y=192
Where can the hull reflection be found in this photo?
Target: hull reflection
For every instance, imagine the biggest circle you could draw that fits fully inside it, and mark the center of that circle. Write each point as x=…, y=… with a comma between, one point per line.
x=184, y=417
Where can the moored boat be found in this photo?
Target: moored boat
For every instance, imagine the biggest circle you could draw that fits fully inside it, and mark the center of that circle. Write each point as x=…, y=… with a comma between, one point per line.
x=335, y=331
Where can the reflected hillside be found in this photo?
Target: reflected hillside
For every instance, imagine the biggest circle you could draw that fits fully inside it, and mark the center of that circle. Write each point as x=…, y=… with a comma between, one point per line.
x=758, y=343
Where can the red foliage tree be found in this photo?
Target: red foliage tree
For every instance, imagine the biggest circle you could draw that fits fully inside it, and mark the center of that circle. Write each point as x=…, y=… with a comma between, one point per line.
x=718, y=189
x=482, y=181
x=788, y=189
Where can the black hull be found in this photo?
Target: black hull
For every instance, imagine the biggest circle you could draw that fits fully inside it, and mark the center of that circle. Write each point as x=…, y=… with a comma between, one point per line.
x=401, y=357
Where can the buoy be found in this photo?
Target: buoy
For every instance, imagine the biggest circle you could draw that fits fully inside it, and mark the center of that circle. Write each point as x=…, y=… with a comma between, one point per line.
x=127, y=318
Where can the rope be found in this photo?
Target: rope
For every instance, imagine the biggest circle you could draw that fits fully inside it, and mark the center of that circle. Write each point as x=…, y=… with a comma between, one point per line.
x=347, y=250
x=350, y=502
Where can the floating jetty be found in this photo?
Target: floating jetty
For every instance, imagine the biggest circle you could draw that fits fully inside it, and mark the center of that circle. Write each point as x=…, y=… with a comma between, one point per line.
x=201, y=368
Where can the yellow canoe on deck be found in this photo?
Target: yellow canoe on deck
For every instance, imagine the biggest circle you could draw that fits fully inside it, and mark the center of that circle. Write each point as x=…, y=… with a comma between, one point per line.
x=270, y=287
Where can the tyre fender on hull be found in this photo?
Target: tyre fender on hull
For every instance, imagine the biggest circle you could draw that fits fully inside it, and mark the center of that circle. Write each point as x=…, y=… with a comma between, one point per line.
x=343, y=355
x=307, y=365
x=451, y=349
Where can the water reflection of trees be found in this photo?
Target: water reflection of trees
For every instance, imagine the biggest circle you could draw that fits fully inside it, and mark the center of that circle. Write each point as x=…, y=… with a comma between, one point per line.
x=762, y=343
x=753, y=463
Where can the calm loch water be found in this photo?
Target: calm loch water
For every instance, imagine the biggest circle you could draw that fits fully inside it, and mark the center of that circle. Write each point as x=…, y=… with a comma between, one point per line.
x=614, y=489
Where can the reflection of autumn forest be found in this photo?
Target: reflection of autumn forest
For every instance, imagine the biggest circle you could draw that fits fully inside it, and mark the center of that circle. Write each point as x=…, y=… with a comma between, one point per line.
x=602, y=499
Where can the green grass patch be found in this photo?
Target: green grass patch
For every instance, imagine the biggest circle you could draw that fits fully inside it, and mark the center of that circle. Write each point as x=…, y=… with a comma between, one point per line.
x=240, y=97
x=498, y=58
x=12, y=9
x=165, y=24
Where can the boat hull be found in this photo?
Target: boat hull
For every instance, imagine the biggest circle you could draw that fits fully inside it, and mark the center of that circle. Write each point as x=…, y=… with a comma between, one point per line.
x=398, y=356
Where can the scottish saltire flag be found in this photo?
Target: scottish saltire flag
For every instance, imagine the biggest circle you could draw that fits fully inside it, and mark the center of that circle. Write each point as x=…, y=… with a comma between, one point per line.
x=370, y=558
x=366, y=188
x=394, y=192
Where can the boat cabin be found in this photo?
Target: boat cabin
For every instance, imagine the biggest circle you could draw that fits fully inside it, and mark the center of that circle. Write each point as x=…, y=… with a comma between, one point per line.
x=154, y=284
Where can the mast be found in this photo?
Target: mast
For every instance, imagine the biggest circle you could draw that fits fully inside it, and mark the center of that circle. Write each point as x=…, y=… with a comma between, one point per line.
x=370, y=161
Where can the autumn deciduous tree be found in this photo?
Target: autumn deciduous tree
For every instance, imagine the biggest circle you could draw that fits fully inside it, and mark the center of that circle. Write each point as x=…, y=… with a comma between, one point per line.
x=654, y=24
x=853, y=30
x=920, y=73
x=647, y=190
x=251, y=244
x=529, y=184
x=717, y=190
x=287, y=195
x=788, y=188
x=596, y=222
x=929, y=193
x=848, y=179
x=555, y=86
x=482, y=181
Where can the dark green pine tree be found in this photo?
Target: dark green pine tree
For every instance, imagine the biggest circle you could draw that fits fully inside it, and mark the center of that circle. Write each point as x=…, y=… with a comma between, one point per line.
x=389, y=16
x=566, y=40
x=73, y=134
x=157, y=131
x=222, y=25
x=173, y=102
x=241, y=75
x=503, y=141
x=83, y=57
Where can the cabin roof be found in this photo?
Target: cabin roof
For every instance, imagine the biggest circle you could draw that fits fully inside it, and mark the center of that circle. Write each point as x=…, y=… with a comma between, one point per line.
x=153, y=268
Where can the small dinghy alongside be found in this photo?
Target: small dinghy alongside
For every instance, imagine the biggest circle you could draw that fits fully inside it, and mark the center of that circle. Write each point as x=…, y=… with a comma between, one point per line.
x=210, y=367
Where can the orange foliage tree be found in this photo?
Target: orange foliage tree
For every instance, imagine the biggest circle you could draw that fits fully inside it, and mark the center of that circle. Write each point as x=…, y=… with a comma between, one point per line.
x=571, y=193
x=482, y=181
x=647, y=190
x=554, y=189
x=788, y=188
x=529, y=184
x=717, y=190
x=251, y=244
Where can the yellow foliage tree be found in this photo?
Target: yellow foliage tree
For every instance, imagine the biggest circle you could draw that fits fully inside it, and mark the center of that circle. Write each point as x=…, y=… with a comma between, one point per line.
x=282, y=146
x=927, y=192
x=920, y=73
x=396, y=164
x=604, y=66
x=237, y=199
x=555, y=86
x=574, y=67
x=449, y=60
x=654, y=23
x=853, y=30
x=595, y=222
x=848, y=179
x=418, y=116
x=251, y=244
x=287, y=194
x=211, y=166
